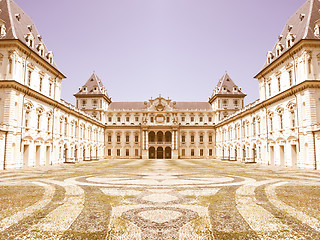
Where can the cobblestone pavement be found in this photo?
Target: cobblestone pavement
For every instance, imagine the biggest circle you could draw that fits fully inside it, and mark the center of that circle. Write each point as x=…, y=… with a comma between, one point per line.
x=160, y=199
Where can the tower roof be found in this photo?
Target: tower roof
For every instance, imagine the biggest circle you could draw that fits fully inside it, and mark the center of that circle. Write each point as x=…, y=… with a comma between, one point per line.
x=300, y=26
x=226, y=86
x=19, y=26
x=93, y=86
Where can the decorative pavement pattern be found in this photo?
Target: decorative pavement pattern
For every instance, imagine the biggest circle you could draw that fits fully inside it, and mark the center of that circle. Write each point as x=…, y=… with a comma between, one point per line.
x=160, y=199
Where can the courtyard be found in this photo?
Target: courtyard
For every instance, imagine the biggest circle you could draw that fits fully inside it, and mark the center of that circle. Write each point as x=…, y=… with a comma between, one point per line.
x=160, y=199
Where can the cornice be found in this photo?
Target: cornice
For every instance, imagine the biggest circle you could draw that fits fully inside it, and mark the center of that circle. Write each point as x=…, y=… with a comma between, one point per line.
x=286, y=55
x=32, y=93
x=33, y=55
x=288, y=93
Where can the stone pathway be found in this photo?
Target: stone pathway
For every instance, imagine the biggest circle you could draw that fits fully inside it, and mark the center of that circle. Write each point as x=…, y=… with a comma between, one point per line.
x=161, y=199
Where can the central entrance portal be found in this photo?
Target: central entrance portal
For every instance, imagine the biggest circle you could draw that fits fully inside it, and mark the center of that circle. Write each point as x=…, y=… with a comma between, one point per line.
x=160, y=153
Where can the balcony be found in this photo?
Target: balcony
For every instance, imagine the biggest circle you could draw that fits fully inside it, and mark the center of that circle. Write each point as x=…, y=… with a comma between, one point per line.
x=160, y=143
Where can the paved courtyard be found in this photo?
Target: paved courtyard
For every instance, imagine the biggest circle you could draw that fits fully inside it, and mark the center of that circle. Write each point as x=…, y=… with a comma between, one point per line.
x=160, y=199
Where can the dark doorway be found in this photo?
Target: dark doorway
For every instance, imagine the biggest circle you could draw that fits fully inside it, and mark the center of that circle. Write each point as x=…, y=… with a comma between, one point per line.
x=159, y=153
x=152, y=153
x=168, y=153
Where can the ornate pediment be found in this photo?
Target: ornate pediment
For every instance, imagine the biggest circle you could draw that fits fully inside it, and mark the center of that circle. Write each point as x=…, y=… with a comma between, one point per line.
x=160, y=104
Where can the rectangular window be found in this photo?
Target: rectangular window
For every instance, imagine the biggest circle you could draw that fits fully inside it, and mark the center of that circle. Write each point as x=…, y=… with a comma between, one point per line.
x=109, y=152
x=279, y=84
x=192, y=139
x=38, y=121
x=281, y=121
x=29, y=78
x=127, y=152
x=151, y=119
x=201, y=119
x=201, y=139
x=183, y=152
x=127, y=119
x=168, y=119
x=137, y=119
x=127, y=139
x=192, y=119
x=210, y=139
x=118, y=139
x=50, y=89
x=210, y=152
x=110, y=119
x=40, y=84
x=201, y=152
x=118, y=152
x=192, y=152
x=109, y=138
x=48, y=125
x=136, y=151
x=183, y=139
x=136, y=139
x=210, y=119
x=293, y=119
x=269, y=88
x=118, y=119
x=183, y=119
x=290, y=78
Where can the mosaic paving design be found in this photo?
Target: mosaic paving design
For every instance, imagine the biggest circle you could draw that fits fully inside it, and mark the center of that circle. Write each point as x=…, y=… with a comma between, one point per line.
x=160, y=199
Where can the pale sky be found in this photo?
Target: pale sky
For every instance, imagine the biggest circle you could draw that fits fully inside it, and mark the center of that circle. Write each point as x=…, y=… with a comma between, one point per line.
x=176, y=48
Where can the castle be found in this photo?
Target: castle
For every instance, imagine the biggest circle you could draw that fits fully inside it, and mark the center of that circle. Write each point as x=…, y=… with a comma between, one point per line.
x=38, y=128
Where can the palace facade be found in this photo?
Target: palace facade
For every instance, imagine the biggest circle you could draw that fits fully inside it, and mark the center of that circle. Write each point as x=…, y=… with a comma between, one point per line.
x=38, y=128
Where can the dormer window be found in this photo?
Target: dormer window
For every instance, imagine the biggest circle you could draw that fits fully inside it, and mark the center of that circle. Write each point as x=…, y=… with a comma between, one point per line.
x=84, y=89
x=302, y=16
x=279, y=49
x=41, y=49
x=317, y=29
x=18, y=16
x=50, y=57
x=270, y=57
x=3, y=29
x=290, y=27
x=30, y=40
x=290, y=40
x=30, y=27
x=235, y=89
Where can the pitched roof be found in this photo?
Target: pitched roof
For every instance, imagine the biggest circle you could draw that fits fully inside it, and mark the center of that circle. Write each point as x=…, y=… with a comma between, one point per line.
x=226, y=86
x=126, y=106
x=18, y=25
x=116, y=106
x=193, y=106
x=93, y=86
x=300, y=25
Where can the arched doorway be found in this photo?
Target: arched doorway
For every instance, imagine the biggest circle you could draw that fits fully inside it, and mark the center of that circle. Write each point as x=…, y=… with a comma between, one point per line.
x=254, y=153
x=160, y=138
x=244, y=154
x=65, y=153
x=168, y=137
x=152, y=153
x=168, y=153
x=152, y=137
x=159, y=153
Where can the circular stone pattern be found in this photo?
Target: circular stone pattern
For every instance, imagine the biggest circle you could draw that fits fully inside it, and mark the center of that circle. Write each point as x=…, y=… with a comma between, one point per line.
x=160, y=215
x=160, y=198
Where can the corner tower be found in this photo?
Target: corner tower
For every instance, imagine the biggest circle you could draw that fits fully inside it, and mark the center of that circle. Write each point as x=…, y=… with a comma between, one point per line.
x=93, y=98
x=227, y=98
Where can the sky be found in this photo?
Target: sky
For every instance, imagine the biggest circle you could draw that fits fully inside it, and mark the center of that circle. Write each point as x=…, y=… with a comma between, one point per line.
x=177, y=48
